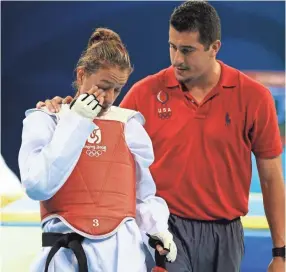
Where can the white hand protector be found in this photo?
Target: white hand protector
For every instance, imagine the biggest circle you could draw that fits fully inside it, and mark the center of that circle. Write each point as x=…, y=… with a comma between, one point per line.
x=167, y=240
x=86, y=105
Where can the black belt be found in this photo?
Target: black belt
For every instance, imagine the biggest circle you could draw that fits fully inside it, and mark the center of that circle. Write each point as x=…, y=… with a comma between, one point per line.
x=73, y=241
x=70, y=240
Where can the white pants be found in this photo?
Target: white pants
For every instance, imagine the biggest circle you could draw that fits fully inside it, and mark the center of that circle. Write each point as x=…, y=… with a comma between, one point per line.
x=122, y=252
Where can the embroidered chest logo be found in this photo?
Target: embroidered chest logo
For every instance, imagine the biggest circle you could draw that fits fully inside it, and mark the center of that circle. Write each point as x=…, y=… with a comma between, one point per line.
x=93, y=147
x=227, y=119
x=95, y=137
x=164, y=111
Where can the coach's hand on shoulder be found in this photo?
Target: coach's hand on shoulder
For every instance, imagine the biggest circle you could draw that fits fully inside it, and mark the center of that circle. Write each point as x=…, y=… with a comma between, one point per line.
x=169, y=247
x=54, y=104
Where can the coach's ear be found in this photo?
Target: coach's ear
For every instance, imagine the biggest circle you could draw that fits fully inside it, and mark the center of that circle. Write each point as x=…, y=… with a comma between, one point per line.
x=214, y=48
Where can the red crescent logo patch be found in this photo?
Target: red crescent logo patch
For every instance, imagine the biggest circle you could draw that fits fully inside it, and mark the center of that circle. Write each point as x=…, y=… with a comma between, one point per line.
x=162, y=97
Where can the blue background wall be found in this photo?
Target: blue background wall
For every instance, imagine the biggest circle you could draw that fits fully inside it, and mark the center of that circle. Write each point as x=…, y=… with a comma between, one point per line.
x=42, y=41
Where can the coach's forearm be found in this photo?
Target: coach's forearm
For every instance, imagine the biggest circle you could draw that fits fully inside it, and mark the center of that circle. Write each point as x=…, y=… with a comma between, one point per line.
x=274, y=205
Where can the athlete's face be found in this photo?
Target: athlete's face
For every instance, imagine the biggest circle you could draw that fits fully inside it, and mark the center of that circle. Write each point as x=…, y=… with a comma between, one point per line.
x=109, y=80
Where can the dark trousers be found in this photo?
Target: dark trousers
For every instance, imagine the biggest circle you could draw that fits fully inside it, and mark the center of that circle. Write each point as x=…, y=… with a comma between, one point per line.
x=207, y=246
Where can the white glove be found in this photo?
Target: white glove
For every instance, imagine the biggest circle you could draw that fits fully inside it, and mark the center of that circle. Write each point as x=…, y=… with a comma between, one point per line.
x=86, y=105
x=167, y=240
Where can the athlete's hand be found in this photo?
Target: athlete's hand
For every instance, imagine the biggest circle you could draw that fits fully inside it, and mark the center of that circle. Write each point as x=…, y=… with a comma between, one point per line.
x=169, y=247
x=89, y=104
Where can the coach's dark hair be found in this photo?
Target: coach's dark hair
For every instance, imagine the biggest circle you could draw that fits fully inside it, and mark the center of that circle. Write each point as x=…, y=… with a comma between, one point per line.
x=197, y=16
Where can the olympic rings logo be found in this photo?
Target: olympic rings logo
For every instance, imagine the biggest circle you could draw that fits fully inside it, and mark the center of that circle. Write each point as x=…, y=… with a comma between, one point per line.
x=165, y=115
x=94, y=153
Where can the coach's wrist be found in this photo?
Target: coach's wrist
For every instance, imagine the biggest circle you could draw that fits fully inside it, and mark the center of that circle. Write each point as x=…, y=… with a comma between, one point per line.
x=278, y=252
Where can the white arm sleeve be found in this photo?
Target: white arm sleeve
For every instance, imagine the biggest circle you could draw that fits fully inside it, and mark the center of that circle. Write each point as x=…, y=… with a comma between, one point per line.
x=152, y=212
x=50, y=150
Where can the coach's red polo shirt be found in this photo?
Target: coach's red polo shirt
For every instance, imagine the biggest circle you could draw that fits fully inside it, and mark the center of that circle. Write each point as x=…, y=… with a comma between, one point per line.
x=202, y=152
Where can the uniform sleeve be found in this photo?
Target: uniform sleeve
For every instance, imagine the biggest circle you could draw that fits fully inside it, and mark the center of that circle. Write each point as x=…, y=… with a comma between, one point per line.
x=152, y=212
x=265, y=135
x=50, y=151
x=129, y=100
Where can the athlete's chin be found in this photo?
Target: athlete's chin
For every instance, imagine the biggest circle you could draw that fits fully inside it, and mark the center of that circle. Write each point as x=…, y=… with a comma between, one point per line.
x=104, y=110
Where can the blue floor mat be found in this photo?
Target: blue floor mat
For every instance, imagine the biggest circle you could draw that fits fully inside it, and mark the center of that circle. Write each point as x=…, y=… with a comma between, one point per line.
x=258, y=246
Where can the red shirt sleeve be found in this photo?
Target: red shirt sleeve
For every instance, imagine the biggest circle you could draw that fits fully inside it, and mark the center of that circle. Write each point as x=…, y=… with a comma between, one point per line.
x=265, y=134
x=129, y=100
